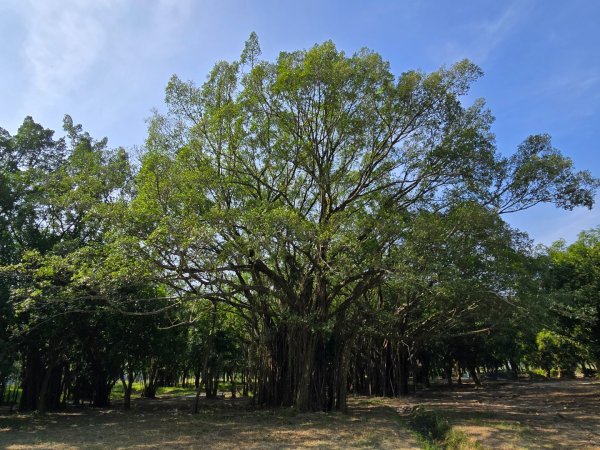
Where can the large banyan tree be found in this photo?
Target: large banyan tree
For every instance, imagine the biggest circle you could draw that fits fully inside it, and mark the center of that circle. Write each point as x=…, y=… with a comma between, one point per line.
x=286, y=189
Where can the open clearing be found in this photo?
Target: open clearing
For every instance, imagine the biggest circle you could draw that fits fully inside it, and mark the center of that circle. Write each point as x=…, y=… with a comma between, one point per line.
x=563, y=414
x=556, y=414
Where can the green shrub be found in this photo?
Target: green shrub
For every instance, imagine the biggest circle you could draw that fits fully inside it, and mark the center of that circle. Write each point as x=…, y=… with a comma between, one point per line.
x=429, y=424
x=436, y=432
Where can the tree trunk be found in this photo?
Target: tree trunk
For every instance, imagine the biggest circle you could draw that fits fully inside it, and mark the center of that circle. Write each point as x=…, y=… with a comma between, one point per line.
x=448, y=372
x=197, y=378
x=514, y=368
x=127, y=389
x=473, y=375
x=302, y=356
x=13, y=399
x=43, y=397
x=425, y=368
x=233, y=387
x=31, y=382
x=403, y=369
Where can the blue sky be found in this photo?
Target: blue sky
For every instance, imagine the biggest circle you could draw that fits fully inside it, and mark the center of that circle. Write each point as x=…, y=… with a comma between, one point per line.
x=106, y=62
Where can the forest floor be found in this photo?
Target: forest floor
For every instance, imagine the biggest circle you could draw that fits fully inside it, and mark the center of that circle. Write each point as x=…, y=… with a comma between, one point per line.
x=511, y=415
x=538, y=415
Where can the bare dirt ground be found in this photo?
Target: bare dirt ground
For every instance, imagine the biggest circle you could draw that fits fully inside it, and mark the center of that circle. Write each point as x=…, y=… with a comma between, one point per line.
x=221, y=424
x=535, y=415
x=539, y=415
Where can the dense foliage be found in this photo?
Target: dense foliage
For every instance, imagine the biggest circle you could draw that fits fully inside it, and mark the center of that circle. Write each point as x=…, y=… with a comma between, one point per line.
x=304, y=228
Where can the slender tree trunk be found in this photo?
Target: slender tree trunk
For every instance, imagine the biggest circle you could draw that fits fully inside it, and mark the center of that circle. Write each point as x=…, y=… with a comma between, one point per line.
x=233, y=387
x=514, y=368
x=425, y=368
x=459, y=374
x=127, y=389
x=13, y=399
x=197, y=378
x=2, y=391
x=473, y=374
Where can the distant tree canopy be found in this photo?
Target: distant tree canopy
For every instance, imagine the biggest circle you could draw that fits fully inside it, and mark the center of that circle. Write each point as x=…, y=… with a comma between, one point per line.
x=331, y=227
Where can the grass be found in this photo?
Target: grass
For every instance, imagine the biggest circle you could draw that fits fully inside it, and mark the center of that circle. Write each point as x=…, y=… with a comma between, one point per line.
x=8, y=394
x=137, y=388
x=553, y=414
x=224, y=423
x=171, y=391
x=435, y=432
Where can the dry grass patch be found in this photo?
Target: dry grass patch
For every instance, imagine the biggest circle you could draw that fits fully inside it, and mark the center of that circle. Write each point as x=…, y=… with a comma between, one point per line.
x=502, y=415
x=222, y=424
x=531, y=415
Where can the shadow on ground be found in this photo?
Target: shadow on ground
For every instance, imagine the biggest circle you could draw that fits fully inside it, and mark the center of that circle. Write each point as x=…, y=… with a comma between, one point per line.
x=221, y=424
x=558, y=414
x=536, y=415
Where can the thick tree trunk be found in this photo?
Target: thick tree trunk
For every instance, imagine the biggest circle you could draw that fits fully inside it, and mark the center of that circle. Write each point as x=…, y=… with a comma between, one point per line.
x=301, y=364
x=42, y=404
x=404, y=372
x=102, y=394
x=31, y=382
x=341, y=401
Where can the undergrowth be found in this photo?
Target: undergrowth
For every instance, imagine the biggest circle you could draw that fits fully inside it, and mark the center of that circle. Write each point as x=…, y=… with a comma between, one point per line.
x=435, y=432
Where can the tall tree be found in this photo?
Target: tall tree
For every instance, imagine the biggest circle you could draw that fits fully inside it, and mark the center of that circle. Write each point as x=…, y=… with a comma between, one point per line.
x=280, y=188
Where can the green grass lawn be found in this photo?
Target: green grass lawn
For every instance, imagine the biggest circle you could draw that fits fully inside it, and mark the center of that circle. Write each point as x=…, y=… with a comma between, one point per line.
x=171, y=391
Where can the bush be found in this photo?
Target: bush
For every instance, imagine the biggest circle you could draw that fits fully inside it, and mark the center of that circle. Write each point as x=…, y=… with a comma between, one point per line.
x=437, y=433
x=429, y=424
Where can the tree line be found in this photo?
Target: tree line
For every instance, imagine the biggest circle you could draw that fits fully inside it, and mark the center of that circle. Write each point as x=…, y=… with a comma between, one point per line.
x=307, y=228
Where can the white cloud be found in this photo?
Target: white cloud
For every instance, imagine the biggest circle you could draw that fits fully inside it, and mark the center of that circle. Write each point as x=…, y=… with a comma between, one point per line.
x=64, y=39
x=94, y=58
x=68, y=39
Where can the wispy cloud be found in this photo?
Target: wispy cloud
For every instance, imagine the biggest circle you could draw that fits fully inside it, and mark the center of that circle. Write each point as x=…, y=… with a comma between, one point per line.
x=578, y=82
x=484, y=37
x=67, y=40
x=492, y=33
x=64, y=41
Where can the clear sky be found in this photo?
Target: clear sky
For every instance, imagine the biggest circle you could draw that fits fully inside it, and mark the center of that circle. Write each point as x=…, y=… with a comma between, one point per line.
x=106, y=62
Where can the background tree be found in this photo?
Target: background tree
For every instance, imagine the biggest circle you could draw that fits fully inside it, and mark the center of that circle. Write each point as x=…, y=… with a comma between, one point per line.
x=53, y=197
x=573, y=284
